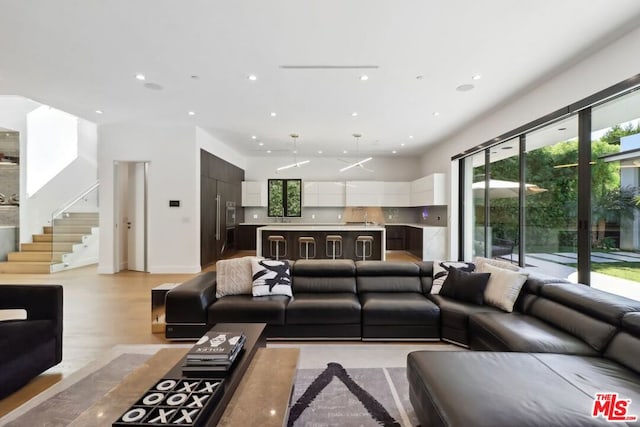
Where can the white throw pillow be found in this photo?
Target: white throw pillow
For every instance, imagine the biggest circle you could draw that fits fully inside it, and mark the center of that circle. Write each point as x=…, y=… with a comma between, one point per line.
x=504, y=287
x=480, y=262
x=441, y=270
x=271, y=277
x=234, y=276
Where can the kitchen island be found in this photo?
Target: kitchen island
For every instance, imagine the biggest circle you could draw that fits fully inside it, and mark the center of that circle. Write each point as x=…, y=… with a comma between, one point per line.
x=349, y=233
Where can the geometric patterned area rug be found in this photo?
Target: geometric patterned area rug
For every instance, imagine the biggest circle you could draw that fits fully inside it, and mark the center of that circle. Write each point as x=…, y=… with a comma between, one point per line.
x=65, y=406
x=336, y=396
x=336, y=385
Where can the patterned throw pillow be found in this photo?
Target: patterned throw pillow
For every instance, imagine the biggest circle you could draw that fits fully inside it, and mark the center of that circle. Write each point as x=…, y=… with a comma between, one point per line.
x=234, y=276
x=441, y=270
x=271, y=277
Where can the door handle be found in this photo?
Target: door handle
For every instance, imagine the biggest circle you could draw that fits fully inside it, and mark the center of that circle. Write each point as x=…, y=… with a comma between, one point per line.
x=217, y=217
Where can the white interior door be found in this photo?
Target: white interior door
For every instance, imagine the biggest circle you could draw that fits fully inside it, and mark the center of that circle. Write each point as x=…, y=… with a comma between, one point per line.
x=136, y=218
x=121, y=216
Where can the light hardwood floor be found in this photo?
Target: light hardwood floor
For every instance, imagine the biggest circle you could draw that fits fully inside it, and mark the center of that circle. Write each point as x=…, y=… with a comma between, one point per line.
x=101, y=311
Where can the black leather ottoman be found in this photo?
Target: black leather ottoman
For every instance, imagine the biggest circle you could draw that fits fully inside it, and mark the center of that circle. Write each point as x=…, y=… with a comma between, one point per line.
x=512, y=389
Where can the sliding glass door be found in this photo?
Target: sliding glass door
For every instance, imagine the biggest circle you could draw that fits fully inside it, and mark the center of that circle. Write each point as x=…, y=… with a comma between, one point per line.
x=615, y=180
x=551, y=198
x=563, y=197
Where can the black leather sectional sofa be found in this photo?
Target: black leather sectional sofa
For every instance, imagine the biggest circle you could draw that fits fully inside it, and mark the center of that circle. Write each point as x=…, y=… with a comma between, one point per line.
x=29, y=346
x=541, y=365
x=339, y=299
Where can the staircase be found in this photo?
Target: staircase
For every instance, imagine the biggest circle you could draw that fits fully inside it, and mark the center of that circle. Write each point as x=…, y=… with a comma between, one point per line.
x=71, y=242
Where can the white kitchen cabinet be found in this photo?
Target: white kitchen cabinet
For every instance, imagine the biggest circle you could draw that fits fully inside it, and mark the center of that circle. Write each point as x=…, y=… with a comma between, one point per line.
x=254, y=193
x=324, y=194
x=396, y=194
x=429, y=190
x=379, y=193
x=364, y=193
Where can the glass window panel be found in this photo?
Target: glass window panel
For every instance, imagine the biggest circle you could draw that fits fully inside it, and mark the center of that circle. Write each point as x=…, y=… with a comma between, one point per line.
x=504, y=190
x=294, y=190
x=474, y=243
x=551, y=198
x=276, y=197
x=615, y=179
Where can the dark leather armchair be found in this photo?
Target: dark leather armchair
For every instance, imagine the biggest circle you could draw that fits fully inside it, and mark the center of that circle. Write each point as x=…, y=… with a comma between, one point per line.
x=29, y=346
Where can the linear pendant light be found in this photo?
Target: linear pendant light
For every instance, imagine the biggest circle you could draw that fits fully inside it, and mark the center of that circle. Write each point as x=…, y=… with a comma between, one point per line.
x=358, y=163
x=296, y=163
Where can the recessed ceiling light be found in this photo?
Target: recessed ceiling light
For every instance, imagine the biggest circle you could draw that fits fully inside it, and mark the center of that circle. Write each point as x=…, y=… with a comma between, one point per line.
x=354, y=114
x=344, y=151
x=252, y=77
x=402, y=145
x=295, y=151
x=436, y=113
x=465, y=88
x=191, y=113
x=419, y=77
x=410, y=136
x=319, y=151
x=268, y=151
x=194, y=77
x=260, y=144
x=364, y=77
x=253, y=137
x=140, y=77
x=394, y=151
x=273, y=114
x=99, y=111
x=476, y=77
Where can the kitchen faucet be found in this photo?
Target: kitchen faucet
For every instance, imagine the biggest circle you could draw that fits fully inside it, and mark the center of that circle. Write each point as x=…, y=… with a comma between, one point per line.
x=365, y=218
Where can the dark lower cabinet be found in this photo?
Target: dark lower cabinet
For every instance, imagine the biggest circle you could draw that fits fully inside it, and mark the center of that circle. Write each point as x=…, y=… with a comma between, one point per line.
x=396, y=236
x=415, y=240
x=404, y=238
x=247, y=237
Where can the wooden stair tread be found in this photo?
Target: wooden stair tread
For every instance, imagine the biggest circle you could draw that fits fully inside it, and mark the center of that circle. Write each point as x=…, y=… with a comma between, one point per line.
x=45, y=254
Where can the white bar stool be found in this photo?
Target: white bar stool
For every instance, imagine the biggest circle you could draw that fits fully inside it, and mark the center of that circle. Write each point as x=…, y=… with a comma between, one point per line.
x=275, y=241
x=364, y=241
x=307, y=241
x=336, y=246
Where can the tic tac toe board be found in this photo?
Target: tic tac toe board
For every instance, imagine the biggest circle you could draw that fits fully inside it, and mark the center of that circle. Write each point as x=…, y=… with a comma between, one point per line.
x=174, y=402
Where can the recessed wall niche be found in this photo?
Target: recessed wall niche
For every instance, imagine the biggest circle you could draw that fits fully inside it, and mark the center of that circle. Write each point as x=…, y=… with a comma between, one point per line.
x=9, y=177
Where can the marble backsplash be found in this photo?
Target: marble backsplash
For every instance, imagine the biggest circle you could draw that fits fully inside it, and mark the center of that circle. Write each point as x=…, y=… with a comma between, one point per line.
x=430, y=215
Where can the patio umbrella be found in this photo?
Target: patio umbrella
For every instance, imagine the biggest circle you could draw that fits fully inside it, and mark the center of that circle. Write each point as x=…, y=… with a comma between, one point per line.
x=499, y=189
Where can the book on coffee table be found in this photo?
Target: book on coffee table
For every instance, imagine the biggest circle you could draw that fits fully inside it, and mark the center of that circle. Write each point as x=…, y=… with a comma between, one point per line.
x=223, y=346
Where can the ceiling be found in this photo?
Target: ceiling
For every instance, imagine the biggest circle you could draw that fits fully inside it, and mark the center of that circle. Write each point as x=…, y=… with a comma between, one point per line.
x=83, y=56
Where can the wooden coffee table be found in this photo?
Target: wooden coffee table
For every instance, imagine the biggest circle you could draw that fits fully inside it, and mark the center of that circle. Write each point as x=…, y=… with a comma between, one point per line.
x=257, y=392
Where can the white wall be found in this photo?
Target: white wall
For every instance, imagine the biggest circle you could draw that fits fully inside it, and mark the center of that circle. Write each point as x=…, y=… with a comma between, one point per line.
x=35, y=212
x=65, y=186
x=601, y=70
x=211, y=144
x=604, y=68
x=173, y=233
x=326, y=169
